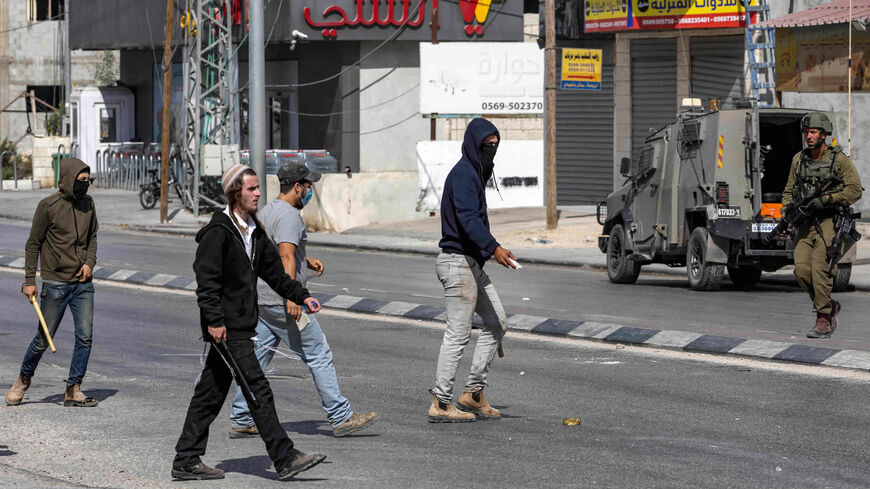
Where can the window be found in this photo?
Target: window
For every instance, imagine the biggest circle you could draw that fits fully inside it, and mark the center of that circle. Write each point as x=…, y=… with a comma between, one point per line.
x=50, y=94
x=39, y=10
x=108, y=125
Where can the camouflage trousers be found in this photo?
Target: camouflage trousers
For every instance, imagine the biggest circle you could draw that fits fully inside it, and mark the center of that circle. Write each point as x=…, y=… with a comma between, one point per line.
x=811, y=264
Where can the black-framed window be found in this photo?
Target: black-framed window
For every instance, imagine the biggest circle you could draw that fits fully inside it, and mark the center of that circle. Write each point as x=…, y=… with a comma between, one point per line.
x=50, y=94
x=39, y=10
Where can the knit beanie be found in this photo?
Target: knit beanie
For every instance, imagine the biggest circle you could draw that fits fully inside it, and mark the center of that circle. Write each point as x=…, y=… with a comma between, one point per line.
x=232, y=174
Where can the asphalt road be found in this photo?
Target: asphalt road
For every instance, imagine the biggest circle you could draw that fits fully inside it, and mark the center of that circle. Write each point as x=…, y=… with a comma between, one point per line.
x=776, y=310
x=649, y=420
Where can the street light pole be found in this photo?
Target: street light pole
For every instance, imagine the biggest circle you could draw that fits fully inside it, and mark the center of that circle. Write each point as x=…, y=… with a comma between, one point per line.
x=257, y=94
x=550, y=114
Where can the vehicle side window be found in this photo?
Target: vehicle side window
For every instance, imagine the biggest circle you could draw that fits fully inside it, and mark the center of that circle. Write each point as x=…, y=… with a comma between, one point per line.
x=644, y=163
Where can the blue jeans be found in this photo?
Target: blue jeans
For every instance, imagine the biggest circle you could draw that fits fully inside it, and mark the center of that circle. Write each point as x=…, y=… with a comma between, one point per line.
x=310, y=344
x=54, y=299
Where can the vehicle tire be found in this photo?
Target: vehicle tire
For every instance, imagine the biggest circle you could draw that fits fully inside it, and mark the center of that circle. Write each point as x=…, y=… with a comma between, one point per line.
x=841, y=279
x=147, y=198
x=620, y=269
x=744, y=277
x=702, y=275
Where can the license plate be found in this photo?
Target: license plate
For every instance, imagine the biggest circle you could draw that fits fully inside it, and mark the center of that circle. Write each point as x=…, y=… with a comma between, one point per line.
x=763, y=227
x=728, y=212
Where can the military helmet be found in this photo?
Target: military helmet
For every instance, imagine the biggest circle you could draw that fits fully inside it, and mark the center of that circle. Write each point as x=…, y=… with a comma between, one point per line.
x=817, y=120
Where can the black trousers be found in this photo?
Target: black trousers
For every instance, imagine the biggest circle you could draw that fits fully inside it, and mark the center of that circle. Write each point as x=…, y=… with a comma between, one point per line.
x=209, y=396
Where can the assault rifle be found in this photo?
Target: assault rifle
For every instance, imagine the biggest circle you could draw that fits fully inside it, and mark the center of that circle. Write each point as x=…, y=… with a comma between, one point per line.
x=844, y=228
x=796, y=213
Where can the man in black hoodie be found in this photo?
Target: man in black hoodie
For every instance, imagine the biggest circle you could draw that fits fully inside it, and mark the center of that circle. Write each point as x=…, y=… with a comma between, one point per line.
x=467, y=244
x=233, y=251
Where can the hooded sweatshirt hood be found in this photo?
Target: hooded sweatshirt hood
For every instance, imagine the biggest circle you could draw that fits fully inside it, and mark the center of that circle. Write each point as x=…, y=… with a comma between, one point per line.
x=69, y=171
x=478, y=130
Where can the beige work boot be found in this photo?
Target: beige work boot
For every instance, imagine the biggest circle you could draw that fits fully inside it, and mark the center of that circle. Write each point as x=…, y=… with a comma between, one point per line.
x=354, y=423
x=75, y=398
x=16, y=392
x=474, y=402
x=249, y=432
x=440, y=412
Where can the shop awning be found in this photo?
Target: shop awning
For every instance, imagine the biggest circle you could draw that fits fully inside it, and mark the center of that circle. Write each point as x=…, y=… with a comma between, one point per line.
x=836, y=12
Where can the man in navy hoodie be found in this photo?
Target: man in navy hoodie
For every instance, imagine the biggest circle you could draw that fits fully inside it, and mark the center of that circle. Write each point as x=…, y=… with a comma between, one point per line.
x=467, y=244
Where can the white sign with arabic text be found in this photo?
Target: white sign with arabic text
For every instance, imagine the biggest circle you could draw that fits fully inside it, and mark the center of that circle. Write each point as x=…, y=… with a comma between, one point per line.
x=481, y=78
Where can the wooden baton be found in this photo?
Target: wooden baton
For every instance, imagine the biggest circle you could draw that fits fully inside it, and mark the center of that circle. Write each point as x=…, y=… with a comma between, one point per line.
x=42, y=322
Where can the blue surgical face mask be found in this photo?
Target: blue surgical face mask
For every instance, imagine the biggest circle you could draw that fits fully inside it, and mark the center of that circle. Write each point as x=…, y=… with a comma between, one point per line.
x=307, y=197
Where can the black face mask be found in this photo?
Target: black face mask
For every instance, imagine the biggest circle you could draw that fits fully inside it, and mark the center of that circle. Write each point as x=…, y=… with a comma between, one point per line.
x=487, y=157
x=80, y=188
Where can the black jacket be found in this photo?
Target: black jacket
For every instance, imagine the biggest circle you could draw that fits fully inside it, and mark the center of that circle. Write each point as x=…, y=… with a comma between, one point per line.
x=226, y=280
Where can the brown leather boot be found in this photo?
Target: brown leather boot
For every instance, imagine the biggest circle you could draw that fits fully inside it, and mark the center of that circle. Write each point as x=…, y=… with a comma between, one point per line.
x=249, y=432
x=75, y=398
x=440, y=412
x=474, y=402
x=823, y=327
x=355, y=423
x=16, y=392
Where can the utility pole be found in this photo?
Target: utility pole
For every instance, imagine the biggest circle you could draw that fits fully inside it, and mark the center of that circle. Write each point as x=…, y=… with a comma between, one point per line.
x=167, y=108
x=67, y=75
x=550, y=114
x=257, y=94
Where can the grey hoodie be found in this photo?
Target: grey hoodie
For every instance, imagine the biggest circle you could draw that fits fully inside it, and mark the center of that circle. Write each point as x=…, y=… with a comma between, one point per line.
x=63, y=235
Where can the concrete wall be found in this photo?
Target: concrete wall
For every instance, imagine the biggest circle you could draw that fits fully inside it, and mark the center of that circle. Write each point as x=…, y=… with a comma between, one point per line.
x=33, y=56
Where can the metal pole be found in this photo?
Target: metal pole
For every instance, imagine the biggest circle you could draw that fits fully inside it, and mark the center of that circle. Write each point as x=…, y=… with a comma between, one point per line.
x=849, y=84
x=433, y=124
x=167, y=107
x=550, y=115
x=257, y=94
x=67, y=71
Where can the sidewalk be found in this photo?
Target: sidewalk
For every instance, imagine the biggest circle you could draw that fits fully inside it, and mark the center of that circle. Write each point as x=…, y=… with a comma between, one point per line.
x=522, y=230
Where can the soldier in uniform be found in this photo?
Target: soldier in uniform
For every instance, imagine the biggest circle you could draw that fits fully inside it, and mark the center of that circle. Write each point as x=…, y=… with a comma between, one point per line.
x=810, y=168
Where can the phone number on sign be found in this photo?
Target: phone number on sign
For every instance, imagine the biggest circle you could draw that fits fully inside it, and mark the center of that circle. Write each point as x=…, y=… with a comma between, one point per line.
x=512, y=106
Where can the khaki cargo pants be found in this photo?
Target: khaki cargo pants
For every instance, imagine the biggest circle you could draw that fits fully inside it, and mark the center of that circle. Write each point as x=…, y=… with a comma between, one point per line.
x=811, y=265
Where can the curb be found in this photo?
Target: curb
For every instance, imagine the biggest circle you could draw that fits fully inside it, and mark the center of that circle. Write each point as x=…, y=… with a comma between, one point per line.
x=590, y=330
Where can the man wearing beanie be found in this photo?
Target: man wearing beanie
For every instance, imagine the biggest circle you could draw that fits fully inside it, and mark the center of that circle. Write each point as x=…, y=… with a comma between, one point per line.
x=233, y=251
x=63, y=240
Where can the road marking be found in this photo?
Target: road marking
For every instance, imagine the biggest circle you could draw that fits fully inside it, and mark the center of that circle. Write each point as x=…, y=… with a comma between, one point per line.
x=376, y=290
x=121, y=275
x=160, y=279
x=428, y=296
x=321, y=284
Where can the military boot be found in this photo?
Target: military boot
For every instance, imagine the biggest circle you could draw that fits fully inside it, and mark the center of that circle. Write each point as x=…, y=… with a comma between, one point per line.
x=16, y=392
x=441, y=412
x=823, y=328
x=474, y=402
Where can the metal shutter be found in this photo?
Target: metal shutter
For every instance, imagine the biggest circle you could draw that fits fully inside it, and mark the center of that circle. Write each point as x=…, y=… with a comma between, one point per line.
x=717, y=67
x=653, y=87
x=584, y=136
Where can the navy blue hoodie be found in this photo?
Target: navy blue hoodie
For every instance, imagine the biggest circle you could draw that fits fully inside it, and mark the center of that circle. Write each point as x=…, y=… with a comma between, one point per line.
x=464, y=224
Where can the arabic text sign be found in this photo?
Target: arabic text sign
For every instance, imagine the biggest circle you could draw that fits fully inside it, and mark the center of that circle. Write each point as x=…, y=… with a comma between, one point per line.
x=812, y=59
x=581, y=69
x=481, y=78
x=606, y=15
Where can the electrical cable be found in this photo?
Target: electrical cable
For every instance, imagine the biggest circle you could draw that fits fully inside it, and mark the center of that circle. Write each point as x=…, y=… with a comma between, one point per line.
x=31, y=24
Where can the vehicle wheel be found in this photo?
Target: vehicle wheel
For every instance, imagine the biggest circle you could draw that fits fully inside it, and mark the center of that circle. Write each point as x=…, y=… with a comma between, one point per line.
x=744, y=277
x=841, y=279
x=620, y=269
x=702, y=275
x=147, y=198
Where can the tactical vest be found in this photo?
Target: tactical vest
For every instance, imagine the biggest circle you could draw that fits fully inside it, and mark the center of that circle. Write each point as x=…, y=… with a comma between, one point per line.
x=812, y=173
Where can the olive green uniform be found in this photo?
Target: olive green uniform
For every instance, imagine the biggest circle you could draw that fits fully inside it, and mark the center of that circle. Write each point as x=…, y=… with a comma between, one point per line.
x=810, y=263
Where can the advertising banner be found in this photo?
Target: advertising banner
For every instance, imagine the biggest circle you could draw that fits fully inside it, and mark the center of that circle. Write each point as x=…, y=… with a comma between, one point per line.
x=581, y=69
x=481, y=78
x=621, y=15
x=813, y=59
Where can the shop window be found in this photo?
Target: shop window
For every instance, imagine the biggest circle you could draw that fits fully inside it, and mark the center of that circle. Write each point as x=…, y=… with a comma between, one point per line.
x=50, y=94
x=39, y=10
x=108, y=125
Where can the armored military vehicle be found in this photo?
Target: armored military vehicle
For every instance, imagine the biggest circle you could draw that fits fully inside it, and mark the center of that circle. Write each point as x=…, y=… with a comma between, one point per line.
x=702, y=193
